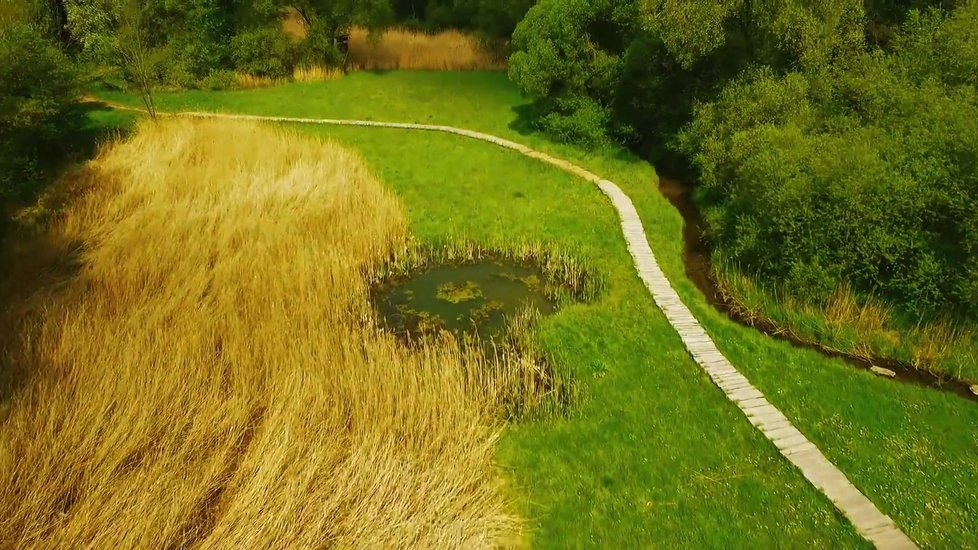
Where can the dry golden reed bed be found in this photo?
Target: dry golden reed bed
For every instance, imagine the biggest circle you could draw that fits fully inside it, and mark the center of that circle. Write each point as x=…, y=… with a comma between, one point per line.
x=210, y=377
x=405, y=49
x=402, y=49
x=315, y=73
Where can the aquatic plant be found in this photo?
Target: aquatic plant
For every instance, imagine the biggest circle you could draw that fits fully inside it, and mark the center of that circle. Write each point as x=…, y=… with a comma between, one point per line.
x=457, y=293
x=568, y=276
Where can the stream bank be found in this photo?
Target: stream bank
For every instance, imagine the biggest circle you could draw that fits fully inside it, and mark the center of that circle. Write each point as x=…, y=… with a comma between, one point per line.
x=699, y=270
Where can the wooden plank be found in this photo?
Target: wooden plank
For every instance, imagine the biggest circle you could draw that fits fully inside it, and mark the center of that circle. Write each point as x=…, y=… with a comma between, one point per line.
x=868, y=520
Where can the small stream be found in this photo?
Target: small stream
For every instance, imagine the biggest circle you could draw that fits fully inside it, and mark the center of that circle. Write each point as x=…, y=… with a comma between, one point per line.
x=696, y=260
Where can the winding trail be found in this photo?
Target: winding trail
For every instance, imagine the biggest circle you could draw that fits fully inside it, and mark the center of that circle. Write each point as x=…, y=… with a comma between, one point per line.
x=869, y=522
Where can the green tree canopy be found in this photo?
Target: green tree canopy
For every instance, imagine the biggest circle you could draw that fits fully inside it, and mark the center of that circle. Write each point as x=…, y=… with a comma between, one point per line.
x=586, y=60
x=38, y=89
x=865, y=172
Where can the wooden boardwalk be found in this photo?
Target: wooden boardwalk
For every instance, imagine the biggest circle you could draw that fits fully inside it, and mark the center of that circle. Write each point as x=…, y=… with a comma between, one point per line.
x=791, y=443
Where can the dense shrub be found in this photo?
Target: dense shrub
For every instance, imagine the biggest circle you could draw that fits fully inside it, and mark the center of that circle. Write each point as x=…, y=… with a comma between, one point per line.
x=38, y=88
x=195, y=34
x=643, y=62
x=191, y=43
x=264, y=52
x=496, y=19
x=220, y=79
x=321, y=47
x=866, y=172
x=570, y=54
x=577, y=120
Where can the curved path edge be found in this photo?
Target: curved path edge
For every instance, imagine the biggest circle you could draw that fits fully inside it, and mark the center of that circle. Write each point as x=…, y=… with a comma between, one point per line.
x=869, y=522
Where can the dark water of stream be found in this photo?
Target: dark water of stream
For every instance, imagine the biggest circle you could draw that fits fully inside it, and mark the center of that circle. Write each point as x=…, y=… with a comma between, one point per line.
x=696, y=260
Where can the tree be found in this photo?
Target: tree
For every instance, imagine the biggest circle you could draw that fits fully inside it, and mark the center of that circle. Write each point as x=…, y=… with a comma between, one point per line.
x=584, y=57
x=196, y=35
x=493, y=19
x=864, y=171
x=885, y=17
x=570, y=55
x=498, y=18
x=329, y=20
x=117, y=32
x=38, y=88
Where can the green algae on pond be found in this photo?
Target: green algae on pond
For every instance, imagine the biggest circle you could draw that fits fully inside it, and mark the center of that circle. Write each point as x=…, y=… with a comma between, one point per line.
x=457, y=293
x=474, y=297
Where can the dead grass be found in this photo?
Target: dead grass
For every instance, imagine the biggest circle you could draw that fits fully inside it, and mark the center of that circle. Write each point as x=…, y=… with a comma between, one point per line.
x=316, y=73
x=245, y=81
x=210, y=375
x=844, y=308
x=846, y=323
x=403, y=49
x=938, y=340
x=406, y=49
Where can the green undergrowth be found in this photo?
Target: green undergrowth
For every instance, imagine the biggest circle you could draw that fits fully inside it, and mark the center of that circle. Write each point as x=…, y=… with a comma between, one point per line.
x=654, y=455
x=859, y=326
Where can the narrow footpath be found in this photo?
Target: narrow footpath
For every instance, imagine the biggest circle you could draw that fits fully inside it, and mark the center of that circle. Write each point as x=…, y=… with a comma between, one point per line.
x=872, y=524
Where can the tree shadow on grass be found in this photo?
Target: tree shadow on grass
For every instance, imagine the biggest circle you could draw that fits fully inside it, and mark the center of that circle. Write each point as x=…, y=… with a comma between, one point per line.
x=90, y=124
x=526, y=121
x=35, y=266
x=101, y=124
x=31, y=260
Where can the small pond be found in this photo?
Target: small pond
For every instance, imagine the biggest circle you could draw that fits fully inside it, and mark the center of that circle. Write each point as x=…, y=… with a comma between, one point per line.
x=474, y=297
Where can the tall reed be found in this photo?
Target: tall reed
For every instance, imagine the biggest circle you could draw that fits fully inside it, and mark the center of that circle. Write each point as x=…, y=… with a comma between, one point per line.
x=211, y=376
x=403, y=49
x=861, y=326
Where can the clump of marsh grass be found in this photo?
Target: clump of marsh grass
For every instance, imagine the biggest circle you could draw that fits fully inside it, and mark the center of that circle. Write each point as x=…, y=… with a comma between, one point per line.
x=860, y=326
x=523, y=382
x=311, y=73
x=404, y=49
x=245, y=81
x=532, y=387
x=209, y=374
x=316, y=73
x=569, y=277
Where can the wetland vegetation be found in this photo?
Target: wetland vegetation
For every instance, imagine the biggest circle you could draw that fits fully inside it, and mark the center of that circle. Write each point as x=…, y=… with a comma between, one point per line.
x=475, y=298
x=232, y=334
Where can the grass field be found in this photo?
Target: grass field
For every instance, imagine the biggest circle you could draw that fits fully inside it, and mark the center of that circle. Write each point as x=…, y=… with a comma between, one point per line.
x=655, y=455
